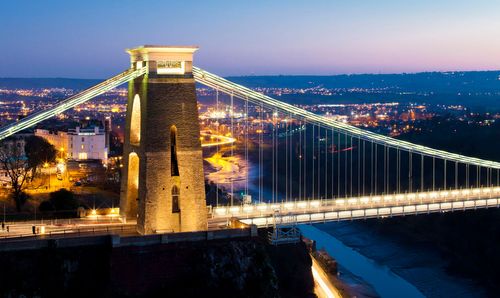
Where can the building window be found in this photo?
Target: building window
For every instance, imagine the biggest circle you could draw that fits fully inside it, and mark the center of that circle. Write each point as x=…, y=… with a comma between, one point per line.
x=175, y=199
x=174, y=166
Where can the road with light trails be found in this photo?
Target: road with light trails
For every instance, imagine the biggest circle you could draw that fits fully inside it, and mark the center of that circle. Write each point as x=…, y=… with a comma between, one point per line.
x=83, y=227
x=220, y=140
x=63, y=227
x=323, y=286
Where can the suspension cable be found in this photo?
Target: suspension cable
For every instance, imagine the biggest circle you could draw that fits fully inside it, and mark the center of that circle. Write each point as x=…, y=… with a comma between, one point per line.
x=232, y=150
x=313, y=163
x=332, y=160
x=345, y=165
x=217, y=180
x=421, y=173
x=326, y=164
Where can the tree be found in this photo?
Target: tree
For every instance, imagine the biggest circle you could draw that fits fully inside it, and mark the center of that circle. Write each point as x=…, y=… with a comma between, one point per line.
x=38, y=152
x=20, y=158
x=15, y=164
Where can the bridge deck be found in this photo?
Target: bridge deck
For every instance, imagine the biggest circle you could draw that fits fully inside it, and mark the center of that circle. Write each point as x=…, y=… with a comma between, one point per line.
x=310, y=211
x=364, y=207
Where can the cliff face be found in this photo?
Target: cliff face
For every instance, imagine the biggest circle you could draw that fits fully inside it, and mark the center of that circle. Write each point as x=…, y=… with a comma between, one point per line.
x=292, y=264
x=232, y=268
x=239, y=268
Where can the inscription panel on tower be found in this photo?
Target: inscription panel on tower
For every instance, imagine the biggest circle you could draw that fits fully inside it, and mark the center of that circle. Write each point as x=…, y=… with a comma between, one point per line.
x=170, y=67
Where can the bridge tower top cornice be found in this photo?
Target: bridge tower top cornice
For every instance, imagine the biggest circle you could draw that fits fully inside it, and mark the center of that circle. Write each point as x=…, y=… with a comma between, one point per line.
x=162, y=53
x=163, y=60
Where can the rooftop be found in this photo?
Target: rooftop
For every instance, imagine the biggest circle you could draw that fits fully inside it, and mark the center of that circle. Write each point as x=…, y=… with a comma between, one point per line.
x=163, y=49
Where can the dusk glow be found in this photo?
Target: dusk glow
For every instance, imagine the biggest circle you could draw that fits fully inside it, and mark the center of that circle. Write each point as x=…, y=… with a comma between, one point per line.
x=86, y=39
x=279, y=148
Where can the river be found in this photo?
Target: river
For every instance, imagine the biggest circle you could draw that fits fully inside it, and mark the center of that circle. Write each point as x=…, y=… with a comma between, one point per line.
x=380, y=277
x=392, y=267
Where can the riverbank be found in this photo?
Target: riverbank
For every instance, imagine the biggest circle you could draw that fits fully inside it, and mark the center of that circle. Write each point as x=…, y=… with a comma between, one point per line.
x=384, y=282
x=324, y=284
x=331, y=279
x=417, y=263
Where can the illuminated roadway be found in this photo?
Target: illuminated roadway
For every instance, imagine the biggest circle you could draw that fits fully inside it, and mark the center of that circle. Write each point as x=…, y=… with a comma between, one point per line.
x=221, y=140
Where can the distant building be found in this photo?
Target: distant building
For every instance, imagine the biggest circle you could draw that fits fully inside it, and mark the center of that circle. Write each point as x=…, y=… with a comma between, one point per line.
x=79, y=143
x=59, y=139
x=107, y=129
x=14, y=145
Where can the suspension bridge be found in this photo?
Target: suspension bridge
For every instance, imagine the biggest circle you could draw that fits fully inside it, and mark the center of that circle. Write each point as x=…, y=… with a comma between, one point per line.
x=309, y=167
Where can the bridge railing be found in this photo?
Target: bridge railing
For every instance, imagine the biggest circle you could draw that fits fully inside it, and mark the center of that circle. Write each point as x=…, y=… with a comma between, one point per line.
x=363, y=202
x=380, y=212
x=115, y=229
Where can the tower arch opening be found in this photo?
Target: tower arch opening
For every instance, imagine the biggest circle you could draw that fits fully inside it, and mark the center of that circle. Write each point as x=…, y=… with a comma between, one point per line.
x=174, y=164
x=135, y=121
x=133, y=182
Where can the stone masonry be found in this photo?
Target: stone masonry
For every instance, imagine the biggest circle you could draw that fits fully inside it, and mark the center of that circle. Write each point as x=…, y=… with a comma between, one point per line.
x=166, y=100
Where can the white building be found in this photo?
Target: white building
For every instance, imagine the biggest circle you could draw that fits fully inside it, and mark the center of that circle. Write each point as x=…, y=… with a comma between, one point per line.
x=78, y=143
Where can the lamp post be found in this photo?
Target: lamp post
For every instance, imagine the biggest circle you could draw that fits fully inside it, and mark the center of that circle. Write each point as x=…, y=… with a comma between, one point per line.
x=61, y=166
x=46, y=165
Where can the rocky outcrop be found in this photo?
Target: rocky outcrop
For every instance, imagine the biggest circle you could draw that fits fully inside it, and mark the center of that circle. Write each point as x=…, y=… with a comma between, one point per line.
x=222, y=268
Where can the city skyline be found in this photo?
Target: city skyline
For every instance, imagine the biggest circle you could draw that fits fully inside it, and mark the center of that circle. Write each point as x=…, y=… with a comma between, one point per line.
x=87, y=40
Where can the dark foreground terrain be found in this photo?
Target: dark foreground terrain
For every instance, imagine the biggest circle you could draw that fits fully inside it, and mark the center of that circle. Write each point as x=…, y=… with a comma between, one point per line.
x=219, y=268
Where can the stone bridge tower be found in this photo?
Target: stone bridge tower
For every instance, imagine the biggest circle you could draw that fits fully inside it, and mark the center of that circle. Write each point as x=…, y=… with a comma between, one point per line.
x=163, y=182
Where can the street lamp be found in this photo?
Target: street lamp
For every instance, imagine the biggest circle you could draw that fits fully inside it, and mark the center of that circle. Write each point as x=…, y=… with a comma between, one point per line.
x=46, y=165
x=61, y=166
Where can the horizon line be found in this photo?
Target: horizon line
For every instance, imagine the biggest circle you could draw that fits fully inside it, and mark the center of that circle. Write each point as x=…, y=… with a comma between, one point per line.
x=291, y=75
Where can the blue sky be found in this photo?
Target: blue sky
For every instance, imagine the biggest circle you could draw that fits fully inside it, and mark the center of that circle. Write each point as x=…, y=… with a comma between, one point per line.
x=86, y=39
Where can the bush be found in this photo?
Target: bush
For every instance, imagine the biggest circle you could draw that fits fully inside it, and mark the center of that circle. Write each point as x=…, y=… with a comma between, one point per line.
x=46, y=206
x=59, y=201
x=20, y=199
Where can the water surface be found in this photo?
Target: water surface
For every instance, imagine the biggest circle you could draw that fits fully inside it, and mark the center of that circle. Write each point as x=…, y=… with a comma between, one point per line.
x=380, y=277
